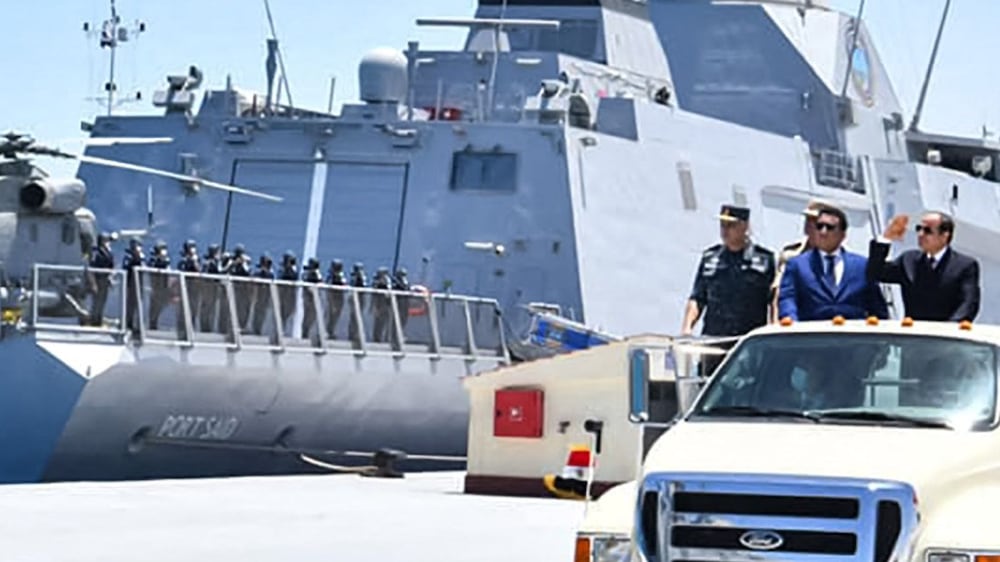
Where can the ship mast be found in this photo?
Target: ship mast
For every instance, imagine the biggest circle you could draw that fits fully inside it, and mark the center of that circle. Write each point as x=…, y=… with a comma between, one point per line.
x=274, y=50
x=930, y=69
x=854, y=48
x=497, y=33
x=112, y=33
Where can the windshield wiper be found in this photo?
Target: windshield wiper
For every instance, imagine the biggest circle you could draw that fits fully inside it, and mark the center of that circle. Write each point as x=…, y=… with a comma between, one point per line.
x=754, y=412
x=867, y=415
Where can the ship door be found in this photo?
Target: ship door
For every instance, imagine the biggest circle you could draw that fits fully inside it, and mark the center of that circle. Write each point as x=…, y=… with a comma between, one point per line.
x=362, y=214
x=265, y=225
x=353, y=211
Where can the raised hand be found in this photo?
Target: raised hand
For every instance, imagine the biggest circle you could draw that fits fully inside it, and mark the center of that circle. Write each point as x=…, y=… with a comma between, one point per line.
x=897, y=227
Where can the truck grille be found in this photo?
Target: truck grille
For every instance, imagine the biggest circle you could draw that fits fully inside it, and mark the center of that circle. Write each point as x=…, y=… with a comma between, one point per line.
x=811, y=542
x=709, y=517
x=755, y=504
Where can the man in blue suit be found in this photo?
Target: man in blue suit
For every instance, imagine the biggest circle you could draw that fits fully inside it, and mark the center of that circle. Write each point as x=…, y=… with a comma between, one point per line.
x=829, y=281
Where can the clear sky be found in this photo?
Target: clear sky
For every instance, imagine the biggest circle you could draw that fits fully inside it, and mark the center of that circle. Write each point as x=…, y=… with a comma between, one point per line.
x=51, y=66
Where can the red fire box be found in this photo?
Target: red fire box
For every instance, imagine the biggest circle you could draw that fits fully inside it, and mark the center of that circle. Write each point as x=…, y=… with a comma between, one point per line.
x=518, y=413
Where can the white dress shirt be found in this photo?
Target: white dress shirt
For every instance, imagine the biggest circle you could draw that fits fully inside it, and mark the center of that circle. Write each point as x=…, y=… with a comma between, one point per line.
x=937, y=257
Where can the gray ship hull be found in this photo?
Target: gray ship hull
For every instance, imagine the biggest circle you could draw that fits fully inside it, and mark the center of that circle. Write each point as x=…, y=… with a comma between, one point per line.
x=92, y=407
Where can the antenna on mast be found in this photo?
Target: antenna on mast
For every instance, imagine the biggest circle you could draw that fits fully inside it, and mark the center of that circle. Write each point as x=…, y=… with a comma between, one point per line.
x=112, y=33
x=497, y=33
x=273, y=48
x=930, y=69
x=854, y=47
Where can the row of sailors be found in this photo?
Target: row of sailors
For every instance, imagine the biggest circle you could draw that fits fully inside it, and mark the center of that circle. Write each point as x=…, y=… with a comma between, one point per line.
x=207, y=297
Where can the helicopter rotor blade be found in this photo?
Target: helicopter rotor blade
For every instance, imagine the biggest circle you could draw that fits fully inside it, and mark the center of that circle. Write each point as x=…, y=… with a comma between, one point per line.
x=131, y=233
x=112, y=141
x=19, y=143
x=164, y=173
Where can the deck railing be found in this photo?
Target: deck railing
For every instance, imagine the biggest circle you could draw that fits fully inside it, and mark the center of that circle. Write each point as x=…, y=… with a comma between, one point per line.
x=192, y=309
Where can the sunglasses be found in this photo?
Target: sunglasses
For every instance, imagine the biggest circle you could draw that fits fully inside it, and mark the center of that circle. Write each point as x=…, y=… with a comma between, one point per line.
x=827, y=226
x=921, y=228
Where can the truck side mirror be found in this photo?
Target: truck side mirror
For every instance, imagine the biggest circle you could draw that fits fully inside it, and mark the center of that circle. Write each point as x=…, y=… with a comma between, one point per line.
x=689, y=381
x=638, y=386
x=693, y=364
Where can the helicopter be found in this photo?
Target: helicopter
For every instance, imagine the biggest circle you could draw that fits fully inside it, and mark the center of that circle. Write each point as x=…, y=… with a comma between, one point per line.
x=44, y=220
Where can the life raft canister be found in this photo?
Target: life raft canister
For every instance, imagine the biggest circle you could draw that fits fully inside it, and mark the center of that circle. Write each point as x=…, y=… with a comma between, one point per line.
x=418, y=306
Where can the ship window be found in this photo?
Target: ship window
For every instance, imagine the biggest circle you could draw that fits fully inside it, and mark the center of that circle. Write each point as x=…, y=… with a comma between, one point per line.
x=484, y=171
x=574, y=37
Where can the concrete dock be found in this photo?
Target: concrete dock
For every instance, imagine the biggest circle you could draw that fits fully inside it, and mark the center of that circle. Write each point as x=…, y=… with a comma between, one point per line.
x=424, y=517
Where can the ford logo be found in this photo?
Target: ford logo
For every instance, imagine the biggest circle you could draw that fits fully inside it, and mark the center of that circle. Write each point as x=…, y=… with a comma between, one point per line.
x=761, y=540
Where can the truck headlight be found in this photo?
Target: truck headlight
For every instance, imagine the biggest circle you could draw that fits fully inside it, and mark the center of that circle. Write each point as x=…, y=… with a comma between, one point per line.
x=965, y=556
x=603, y=548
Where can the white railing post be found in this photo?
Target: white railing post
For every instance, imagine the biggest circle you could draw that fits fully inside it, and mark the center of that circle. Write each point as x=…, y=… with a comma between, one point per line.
x=122, y=313
x=358, y=320
x=230, y=304
x=186, y=309
x=397, y=323
x=320, y=323
x=498, y=318
x=34, y=296
x=279, y=326
x=469, y=332
x=137, y=288
x=431, y=301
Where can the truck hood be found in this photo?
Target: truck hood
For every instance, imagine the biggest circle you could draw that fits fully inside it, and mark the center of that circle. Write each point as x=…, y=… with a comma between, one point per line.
x=928, y=459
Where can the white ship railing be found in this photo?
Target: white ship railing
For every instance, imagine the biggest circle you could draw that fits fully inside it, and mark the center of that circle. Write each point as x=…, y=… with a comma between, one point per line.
x=176, y=308
x=58, y=297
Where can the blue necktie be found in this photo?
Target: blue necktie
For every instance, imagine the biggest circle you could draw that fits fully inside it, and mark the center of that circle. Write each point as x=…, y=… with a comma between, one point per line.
x=830, y=276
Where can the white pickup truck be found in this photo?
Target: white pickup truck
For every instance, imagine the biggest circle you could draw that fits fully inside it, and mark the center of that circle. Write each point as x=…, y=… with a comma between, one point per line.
x=830, y=441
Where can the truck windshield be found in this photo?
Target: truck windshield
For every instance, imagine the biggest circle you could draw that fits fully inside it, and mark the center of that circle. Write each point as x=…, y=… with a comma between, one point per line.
x=857, y=378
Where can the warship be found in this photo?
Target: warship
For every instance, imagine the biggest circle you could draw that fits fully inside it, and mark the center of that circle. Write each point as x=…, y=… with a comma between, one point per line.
x=570, y=158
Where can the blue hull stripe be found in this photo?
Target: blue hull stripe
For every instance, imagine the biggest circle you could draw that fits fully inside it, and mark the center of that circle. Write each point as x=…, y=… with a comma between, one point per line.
x=37, y=396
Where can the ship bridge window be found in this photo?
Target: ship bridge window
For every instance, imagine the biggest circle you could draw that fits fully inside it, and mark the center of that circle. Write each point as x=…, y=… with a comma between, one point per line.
x=488, y=40
x=574, y=37
x=484, y=171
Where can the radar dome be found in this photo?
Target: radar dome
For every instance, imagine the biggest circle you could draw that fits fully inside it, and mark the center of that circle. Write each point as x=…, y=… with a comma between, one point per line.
x=382, y=76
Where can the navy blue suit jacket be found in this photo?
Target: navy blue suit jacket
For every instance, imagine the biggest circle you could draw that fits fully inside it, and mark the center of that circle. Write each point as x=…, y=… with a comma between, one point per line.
x=806, y=295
